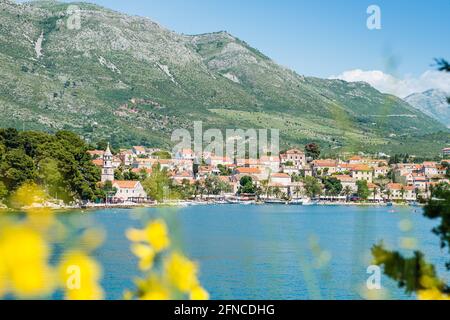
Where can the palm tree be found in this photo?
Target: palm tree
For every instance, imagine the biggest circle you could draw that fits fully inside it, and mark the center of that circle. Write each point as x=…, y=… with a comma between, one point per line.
x=277, y=192
x=347, y=192
x=402, y=193
x=297, y=190
x=265, y=187
x=375, y=192
x=389, y=193
x=197, y=186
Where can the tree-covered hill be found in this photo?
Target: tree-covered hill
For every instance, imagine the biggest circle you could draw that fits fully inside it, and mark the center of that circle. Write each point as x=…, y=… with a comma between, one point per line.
x=131, y=81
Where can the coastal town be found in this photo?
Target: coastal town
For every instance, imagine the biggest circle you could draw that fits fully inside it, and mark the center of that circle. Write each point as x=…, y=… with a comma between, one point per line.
x=292, y=177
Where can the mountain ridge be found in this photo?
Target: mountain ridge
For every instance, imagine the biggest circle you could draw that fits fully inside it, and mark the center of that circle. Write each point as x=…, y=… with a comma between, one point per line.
x=432, y=102
x=130, y=80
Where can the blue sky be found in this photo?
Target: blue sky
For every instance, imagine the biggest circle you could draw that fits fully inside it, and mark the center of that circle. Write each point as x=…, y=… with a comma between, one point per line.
x=319, y=38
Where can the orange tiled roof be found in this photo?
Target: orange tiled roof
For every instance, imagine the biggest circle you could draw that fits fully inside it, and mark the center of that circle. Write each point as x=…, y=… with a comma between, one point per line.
x=361, y=167
x=98, y=162
x=345, y=178
x=248, y=170
x=294, y=151
x=325, y=163
x=125, y=184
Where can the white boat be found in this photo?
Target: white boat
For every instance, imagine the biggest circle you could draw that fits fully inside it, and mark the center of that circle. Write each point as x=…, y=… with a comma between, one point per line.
x=274, y=201
x=296, y=202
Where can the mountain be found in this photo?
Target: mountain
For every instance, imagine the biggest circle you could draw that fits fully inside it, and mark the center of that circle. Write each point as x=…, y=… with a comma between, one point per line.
x=132, y=81
x=433, y=103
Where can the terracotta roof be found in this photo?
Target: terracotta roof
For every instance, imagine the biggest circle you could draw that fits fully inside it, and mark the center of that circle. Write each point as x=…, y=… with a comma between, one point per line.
x=355, y=158
x=248, y=170
x=98, y=162
x=96, y=152
x=325, y=163
x=361, y=167
x=139, y=148
x=280, y=175
x=294, y=151
x=345, y=178
x=398, y=186
x=125, y=184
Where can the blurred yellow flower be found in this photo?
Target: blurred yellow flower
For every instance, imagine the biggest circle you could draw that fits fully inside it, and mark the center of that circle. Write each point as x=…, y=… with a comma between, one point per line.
x=155, y=289
x=432, y=294
x=79, y=276
x=28, y=194
x=181, y=272
x=24, y=254
x=145, y=254
x=198, y=293
x=136, y=235
x=157, y=235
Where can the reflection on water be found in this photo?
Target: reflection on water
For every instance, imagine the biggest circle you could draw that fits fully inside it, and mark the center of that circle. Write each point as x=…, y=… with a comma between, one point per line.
x=269, y=252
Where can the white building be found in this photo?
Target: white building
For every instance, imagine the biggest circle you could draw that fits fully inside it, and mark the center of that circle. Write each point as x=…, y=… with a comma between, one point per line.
x=129, y=191
x=108, y=167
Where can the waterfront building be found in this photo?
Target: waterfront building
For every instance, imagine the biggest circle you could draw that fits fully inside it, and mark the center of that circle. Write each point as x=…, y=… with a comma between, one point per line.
x=129, y=191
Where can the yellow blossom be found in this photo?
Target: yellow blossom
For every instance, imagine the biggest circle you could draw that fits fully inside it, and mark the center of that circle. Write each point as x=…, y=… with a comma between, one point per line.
x=136, y=235
x=198, y=293
x=432, y=294
x=181, y=272
x=157, y=235
x=79, y=275
x=25, y=253
x=145, y=254
x=155, y=289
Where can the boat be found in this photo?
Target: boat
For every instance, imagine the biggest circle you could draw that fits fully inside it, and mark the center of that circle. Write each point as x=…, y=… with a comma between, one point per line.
x=389, y=204
x=296, y=202
x=274, y=201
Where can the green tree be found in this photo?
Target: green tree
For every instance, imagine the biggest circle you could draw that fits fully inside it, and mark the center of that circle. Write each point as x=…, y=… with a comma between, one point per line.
x=224, y=170
x=3, y=191
x=162, y=155
x=312, y=150
x=363, y=190
x=312, y=187
x=247, y=185
x=158, y=184
x=347, y=192
x=333, y=186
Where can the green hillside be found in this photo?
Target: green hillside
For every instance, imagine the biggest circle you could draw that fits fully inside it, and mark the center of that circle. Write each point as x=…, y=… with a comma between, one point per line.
x=132, y=81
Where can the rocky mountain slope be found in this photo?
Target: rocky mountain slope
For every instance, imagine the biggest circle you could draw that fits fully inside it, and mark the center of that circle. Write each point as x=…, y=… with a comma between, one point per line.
x=130, y=80
x=433, y=103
